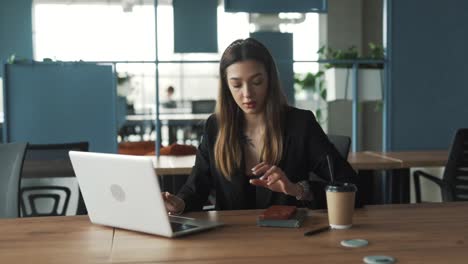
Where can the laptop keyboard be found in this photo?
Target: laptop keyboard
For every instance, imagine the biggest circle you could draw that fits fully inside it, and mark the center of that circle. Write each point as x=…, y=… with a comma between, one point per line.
x=176, y=227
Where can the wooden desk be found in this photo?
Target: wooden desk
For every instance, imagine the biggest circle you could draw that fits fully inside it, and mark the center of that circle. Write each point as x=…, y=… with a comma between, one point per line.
x=391, y=187
x=427, y=233
x=174, y=165
x=411, y=159
x=54, y=240
x=365, y=160
x=396, y=187
x=177, y=165
x=182, y=165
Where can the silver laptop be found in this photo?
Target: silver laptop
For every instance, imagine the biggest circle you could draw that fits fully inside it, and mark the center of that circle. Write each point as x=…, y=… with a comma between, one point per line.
x=123, y=191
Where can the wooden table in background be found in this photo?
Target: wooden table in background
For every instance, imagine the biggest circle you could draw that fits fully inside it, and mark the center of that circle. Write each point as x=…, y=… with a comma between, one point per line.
x=397, y=181
x=391, y=187
x=174, y=165
x=411, y=159
x=395, y=189
x=182, y=165
x=416, y=233
x=365, y=160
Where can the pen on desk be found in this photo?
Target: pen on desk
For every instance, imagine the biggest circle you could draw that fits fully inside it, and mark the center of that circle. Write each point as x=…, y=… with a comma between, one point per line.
x=316, y=231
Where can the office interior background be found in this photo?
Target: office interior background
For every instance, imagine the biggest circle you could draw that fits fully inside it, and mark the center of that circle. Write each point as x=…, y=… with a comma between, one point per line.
x=413, y=97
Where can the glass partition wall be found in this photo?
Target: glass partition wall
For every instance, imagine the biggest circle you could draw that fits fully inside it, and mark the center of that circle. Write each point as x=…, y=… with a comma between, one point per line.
x=124, y=34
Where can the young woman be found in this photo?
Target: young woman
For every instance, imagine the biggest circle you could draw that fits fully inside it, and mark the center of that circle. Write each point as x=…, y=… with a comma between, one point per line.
x=257, y=151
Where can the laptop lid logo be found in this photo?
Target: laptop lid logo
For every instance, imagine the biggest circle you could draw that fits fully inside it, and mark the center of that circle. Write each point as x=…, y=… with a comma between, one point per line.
x=117, y=192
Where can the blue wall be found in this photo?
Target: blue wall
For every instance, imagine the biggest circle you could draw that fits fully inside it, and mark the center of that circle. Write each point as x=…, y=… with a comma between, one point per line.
x=275, y=6
x=49, y=103
x=195, y=26
x=15, y=29
x=429, y=62
x=281, y=47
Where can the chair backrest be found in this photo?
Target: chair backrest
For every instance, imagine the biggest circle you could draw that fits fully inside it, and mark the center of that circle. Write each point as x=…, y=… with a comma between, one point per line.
x=341, y=143
x=203, y=106
x=11, y=163
x=456, y=169
x=54, y=193
x=48, y=161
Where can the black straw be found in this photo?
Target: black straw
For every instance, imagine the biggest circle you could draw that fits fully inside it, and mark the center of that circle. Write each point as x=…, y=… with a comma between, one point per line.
x=316, y=231
x=330, y=168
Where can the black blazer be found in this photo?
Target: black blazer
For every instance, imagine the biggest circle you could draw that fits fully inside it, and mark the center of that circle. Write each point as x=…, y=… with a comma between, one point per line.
x=305, y=150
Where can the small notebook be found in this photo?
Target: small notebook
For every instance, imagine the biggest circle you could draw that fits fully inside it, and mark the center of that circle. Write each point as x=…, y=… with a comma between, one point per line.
x=278, y=212
x=294, y=220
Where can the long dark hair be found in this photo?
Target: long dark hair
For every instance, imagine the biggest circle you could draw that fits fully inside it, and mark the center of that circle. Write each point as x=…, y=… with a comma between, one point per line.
x=228, y=147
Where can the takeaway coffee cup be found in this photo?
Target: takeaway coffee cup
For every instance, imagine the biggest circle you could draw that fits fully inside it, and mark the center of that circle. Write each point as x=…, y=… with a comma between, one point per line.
x=340, y=203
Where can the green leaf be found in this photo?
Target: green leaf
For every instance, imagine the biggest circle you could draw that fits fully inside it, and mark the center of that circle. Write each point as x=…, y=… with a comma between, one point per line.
x=378, y=107
x=11, y=59
x=122, y=78
x=323, y=94
x=318, y=114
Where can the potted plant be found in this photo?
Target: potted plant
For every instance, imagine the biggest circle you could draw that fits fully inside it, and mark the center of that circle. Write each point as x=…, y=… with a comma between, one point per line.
x=339, y=78
x=312, y=84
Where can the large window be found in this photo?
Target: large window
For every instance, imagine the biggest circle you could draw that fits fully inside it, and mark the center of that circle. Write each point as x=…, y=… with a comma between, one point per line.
x=101, y=31
x=123, y=32
x=98, y=30
x=93, y=32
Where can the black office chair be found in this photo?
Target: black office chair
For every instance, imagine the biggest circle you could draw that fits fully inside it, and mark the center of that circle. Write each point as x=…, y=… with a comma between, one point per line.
x=454, y=183
x=11, y=163
x=341, y=143
x=33, y=194
x=46, y=161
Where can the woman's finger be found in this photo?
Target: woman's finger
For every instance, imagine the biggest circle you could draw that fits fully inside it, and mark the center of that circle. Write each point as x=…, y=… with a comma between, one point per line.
x=258, y=182
x=261, y=169
x=270, y=171
x=273, y=178
x=171, y=202
x=258, y=166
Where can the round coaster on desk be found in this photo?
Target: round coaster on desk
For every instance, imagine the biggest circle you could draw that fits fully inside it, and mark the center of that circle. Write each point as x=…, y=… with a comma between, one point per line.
x=354, y=243
x=379, y=259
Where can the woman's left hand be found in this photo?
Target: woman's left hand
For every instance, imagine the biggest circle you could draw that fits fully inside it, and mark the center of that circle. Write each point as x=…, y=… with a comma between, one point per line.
x=273, y=178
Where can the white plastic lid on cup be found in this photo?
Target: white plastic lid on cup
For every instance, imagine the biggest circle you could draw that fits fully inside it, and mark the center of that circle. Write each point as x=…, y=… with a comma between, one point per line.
x=341, y=187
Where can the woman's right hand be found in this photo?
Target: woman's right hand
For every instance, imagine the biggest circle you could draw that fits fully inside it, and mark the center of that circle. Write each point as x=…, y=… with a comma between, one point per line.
x=174, y=205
